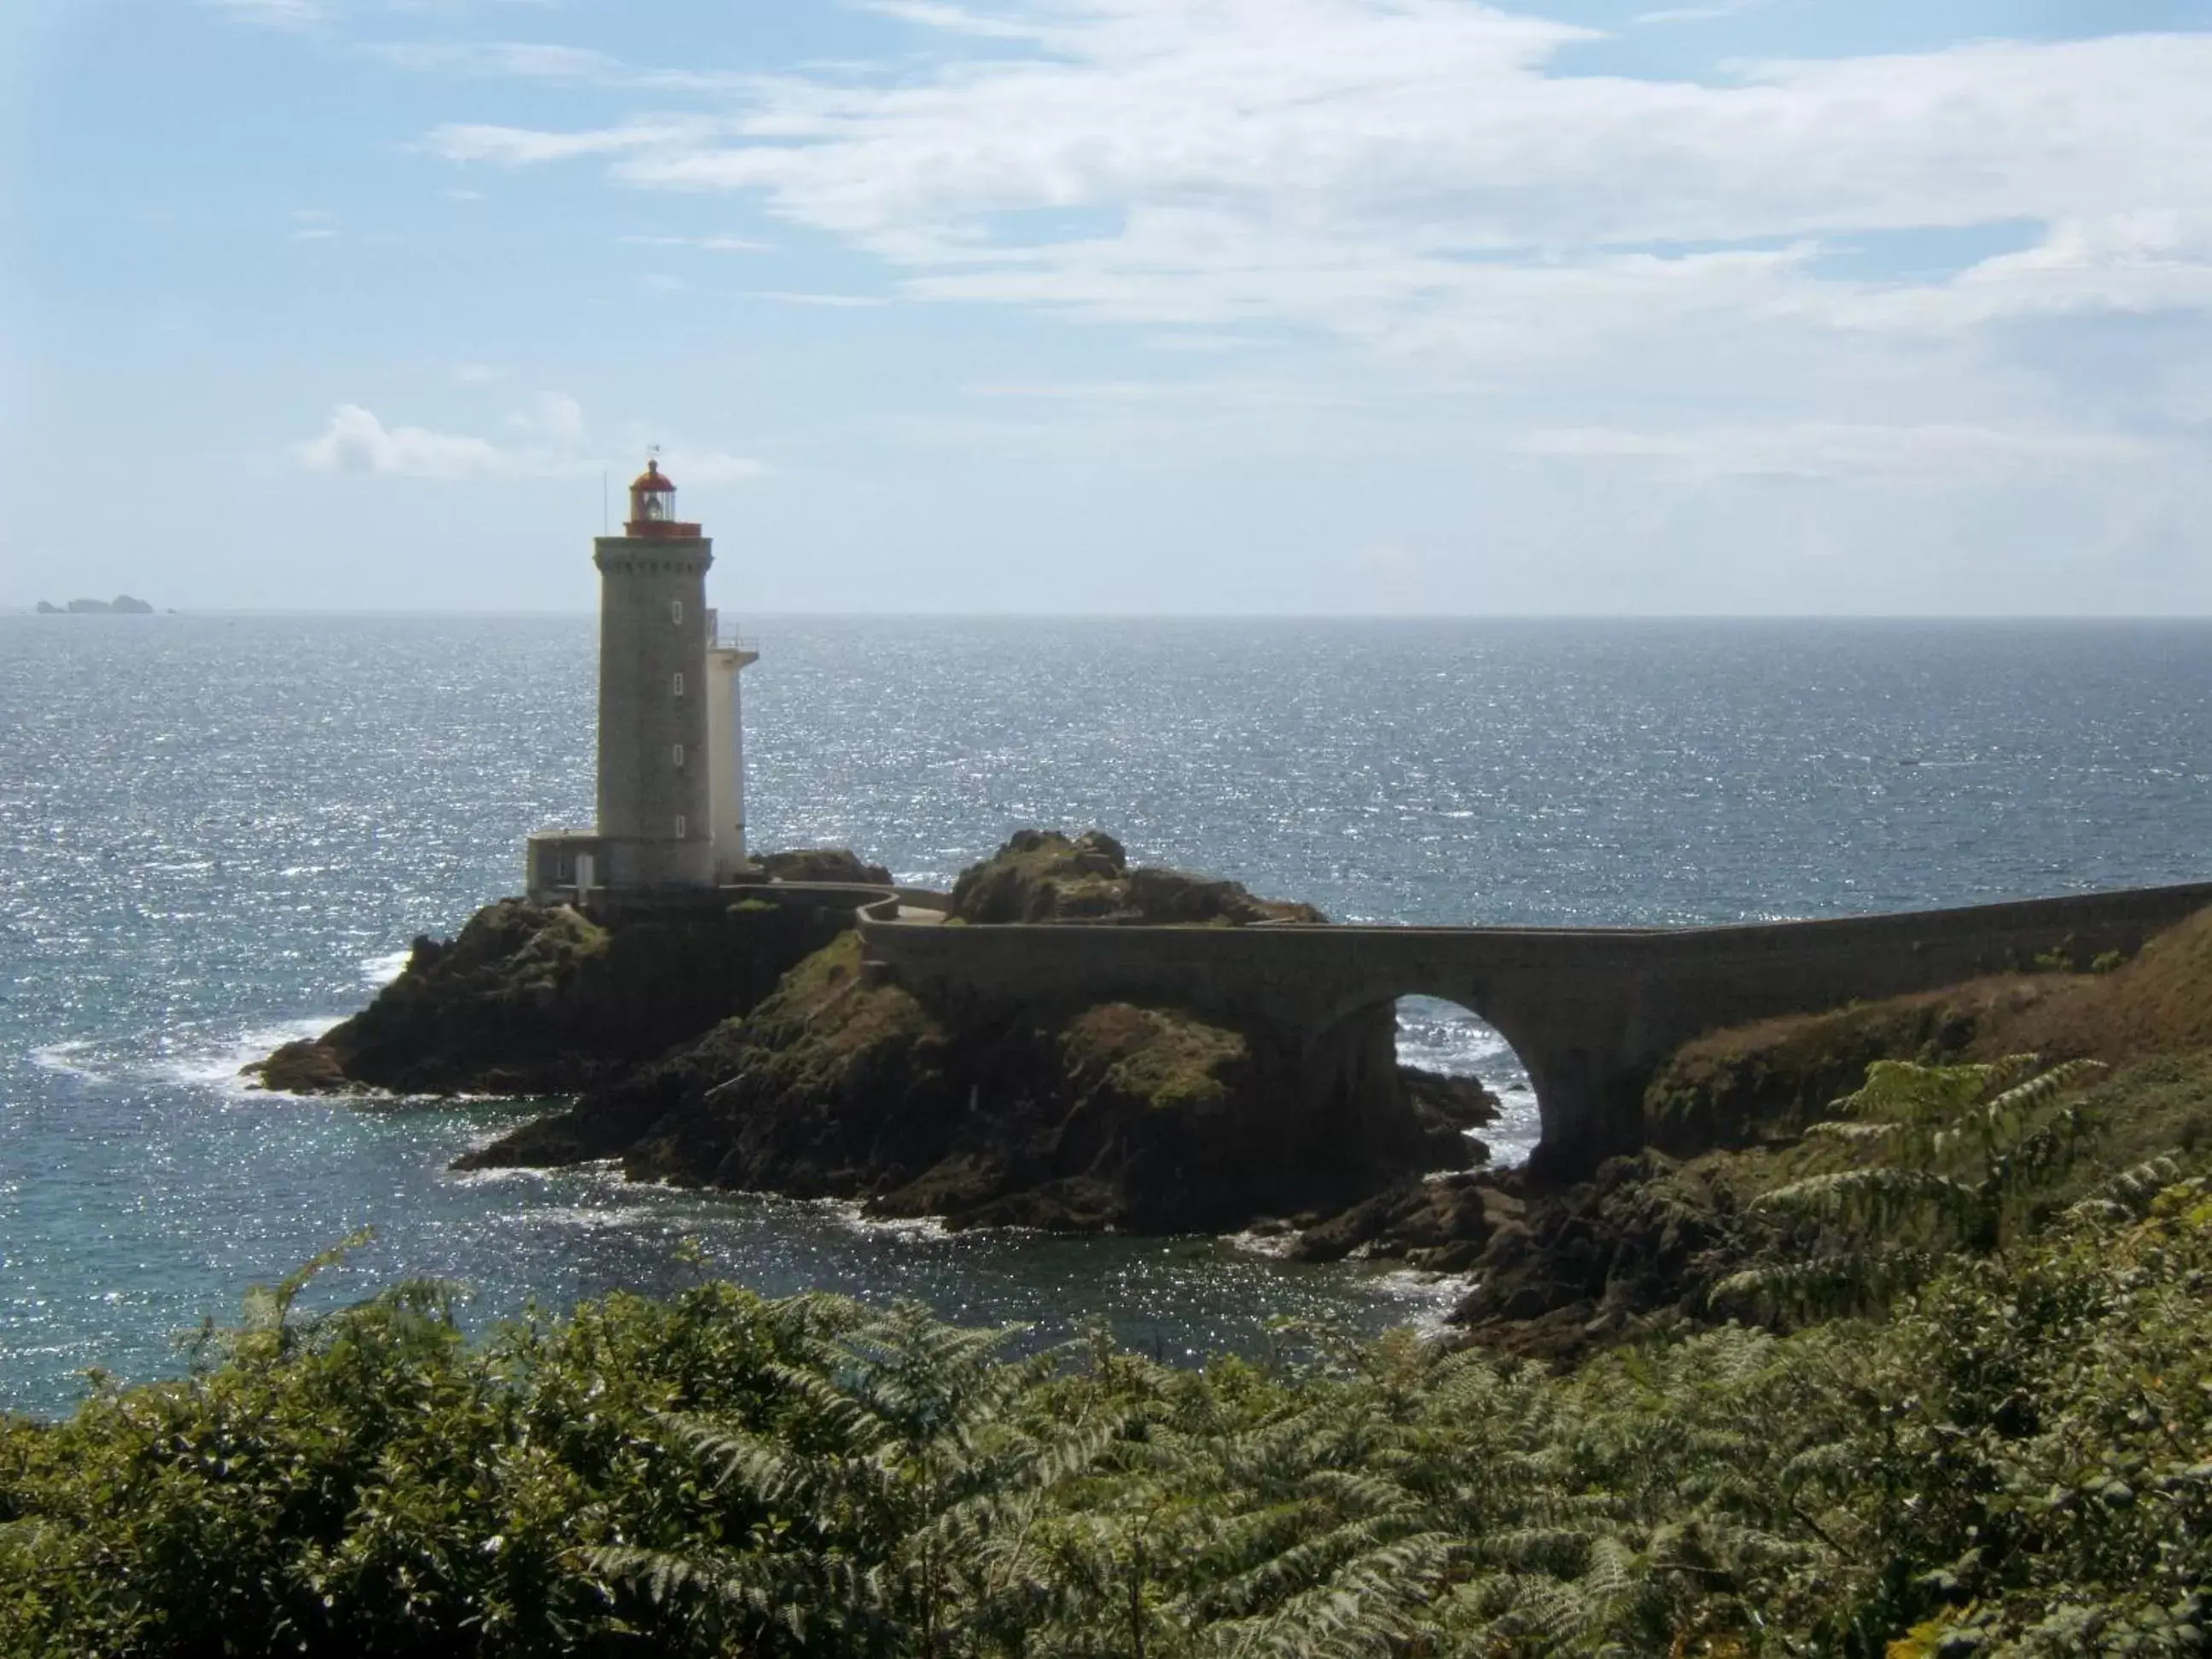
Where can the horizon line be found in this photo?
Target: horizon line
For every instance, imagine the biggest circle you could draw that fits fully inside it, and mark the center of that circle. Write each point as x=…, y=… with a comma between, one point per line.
x=587, y=613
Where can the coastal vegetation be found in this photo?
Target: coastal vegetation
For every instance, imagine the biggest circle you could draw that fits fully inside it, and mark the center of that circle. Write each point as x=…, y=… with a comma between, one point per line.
x=2014, y=1457
x=1733, y=1120
x=1895, y=1340
x=1919, y=1365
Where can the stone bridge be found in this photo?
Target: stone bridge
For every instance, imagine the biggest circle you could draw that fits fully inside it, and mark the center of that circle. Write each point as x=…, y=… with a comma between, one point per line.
x=1592, y=1012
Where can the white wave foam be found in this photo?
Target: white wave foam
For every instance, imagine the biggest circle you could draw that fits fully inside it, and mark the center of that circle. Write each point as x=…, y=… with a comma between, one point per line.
x=589, y=1217
x=377, y=972
x=848, y=1211
x=1427, y=1298
x=1442, y=1036
x=522, y=1176
x=204, y=1059
x=1273, y=1245
x=68, y=1059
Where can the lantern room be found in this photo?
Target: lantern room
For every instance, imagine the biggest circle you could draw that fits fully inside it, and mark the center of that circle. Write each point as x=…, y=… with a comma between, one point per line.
x=653, y=508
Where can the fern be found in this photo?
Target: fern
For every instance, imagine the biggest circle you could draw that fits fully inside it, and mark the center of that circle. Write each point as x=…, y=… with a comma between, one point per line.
x=1958, y=1154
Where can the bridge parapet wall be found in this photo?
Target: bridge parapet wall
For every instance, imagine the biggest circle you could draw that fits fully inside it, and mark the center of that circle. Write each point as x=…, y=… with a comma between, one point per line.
x=1721, y=975
x=1592, y=1012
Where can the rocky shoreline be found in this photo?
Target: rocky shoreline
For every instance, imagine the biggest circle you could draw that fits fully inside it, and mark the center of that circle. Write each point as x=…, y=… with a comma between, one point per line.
x=745, y=1048
x=742, y=1048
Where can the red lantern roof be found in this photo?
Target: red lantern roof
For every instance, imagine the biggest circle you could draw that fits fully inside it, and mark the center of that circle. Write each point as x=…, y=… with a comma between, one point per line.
x=652, y=478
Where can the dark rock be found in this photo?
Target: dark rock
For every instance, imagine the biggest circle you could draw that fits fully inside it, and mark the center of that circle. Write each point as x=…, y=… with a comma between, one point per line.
x=308, y=1066
x=823, y=864
x=1450, y=1101
x=749, y=1047
x=1645, y=1239
x=1043, y=875
x=1172, y=896
x=1419, y=1215
x=532, y=999
x=1456, y=1256
x=1139, y=1118
x=121, y=605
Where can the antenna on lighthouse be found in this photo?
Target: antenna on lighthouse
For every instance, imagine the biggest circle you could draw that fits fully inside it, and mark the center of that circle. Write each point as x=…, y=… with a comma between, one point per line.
x=606, y=512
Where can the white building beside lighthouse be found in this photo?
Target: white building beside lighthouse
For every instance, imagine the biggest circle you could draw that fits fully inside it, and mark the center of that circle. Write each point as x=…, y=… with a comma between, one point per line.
x=671, y=798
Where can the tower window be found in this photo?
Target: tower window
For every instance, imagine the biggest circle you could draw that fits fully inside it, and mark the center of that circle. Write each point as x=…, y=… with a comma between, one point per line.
x=679, y=754
x=675, y=611
x=682, y=826
x=676, y=686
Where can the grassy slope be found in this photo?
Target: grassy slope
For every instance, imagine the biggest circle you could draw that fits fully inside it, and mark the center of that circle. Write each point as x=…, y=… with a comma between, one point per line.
x=1648, y=1242
x=1767, y=1079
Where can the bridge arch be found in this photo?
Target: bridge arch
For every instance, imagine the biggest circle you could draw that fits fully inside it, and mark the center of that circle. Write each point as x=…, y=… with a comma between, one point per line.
x=1443, y=1038
x=1350, y=1016
x=1591, y=1012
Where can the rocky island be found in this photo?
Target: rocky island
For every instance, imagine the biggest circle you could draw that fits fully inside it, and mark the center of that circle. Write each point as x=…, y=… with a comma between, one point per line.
x=745, y=1048
x=121, y=605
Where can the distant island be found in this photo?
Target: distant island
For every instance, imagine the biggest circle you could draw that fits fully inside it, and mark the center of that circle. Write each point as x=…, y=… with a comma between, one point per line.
x=121, y=605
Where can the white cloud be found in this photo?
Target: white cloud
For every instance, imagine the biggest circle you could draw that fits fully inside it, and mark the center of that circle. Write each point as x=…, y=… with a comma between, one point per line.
x=712, y=466
x=2150, y=260
x=274, y=14
x=799, y=297
x=1711, y=13
x=524, y=59
x=1441, y=245
x=955, y=20
x=1833, y=450
x=533, y=60
x=548, y=438
x=556, y=422
x=356, y=441
x=521, y=147
x=704, y=244
x=1410, y=169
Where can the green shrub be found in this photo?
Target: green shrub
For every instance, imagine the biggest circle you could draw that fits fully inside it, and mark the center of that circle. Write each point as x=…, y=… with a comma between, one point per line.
x=2019, y=1458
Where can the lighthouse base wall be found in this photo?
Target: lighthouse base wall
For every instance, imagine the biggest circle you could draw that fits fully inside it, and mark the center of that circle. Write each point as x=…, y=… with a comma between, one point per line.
x=563, y=864
x=726, y=760
x=628, y=863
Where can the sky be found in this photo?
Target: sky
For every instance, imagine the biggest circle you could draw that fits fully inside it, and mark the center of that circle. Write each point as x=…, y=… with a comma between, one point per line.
x=1222, y=306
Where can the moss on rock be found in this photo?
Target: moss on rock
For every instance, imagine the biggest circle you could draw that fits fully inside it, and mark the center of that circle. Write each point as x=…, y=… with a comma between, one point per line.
x=541, y=1000
x=1043, y=875
x=842, y=1084
x=1766, y=1080
x=1161, y=1057
x=823, y=864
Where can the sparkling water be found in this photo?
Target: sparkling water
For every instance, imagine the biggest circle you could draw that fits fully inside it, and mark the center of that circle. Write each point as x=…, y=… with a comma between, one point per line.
x=219, y=832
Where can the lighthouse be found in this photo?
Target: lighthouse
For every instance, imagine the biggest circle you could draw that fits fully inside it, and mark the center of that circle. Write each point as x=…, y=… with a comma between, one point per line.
x=670, y=795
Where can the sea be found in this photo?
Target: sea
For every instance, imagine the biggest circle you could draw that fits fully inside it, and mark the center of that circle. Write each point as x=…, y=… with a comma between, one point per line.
x=218, y=832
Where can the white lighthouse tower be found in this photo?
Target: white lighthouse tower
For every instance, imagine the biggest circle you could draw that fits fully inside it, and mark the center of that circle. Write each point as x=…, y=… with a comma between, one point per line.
x=670, y=803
